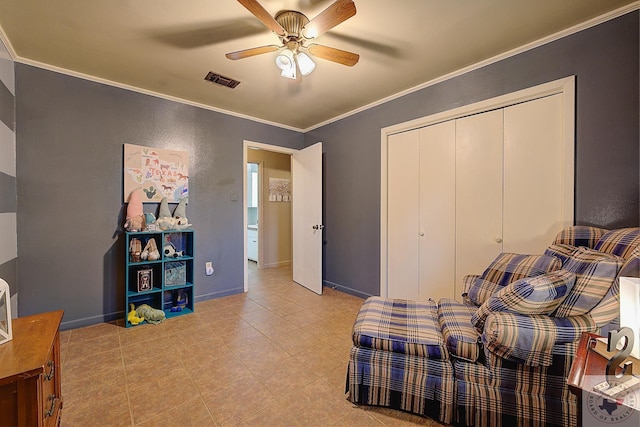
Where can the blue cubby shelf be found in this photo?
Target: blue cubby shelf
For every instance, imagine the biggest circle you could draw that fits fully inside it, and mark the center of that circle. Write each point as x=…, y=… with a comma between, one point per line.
x=161, y=295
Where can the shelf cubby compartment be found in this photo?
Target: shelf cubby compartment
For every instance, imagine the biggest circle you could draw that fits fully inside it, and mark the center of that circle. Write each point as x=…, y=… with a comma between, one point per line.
x=165, y=283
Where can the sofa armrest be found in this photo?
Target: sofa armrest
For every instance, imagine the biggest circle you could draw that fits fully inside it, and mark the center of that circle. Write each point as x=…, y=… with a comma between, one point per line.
x=530, y=339
x=467, y=281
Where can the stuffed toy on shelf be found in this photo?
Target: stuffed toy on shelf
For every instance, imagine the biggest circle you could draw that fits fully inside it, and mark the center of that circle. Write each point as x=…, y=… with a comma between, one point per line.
x=135, y=220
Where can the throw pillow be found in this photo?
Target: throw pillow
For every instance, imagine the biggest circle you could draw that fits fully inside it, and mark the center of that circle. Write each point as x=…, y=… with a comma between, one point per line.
x=579, y=235
x=508, y=268
x=561, y=251
x=595, y=272
x=621, y=242
x=531, y=295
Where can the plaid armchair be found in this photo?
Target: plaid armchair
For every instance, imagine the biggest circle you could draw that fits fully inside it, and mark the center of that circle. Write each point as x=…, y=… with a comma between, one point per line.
x=501, y=356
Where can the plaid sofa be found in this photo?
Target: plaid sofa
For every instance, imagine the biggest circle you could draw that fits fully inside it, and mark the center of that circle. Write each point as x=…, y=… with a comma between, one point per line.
x=501, y=355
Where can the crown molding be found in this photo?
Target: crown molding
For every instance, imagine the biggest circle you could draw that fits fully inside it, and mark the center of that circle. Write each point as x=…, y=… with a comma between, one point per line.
x=559, y=35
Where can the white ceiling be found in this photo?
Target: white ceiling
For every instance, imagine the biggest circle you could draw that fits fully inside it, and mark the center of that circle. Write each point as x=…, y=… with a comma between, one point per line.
x=166, y=47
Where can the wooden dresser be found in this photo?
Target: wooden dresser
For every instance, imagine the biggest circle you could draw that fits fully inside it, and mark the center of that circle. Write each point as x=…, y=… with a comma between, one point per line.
x=30, y=372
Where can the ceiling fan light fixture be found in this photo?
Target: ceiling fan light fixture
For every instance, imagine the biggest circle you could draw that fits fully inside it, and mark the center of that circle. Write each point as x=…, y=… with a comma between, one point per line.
x=285, y=61
x=290, y=73
x=305, y=63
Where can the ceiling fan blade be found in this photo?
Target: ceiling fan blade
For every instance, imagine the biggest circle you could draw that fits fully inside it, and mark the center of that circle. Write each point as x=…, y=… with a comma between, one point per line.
x=335, y=55
x=338, y=12
x=261, y=13
x=241, y=54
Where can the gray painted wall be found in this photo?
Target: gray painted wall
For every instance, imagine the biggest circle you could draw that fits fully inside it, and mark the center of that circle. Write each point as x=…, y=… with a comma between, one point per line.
x=8, y=201
x=69, y=161
x=70, y=147
x=605, y=61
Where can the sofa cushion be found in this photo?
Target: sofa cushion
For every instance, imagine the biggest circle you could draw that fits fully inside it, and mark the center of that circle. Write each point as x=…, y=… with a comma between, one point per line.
x=579, y=235
x=608, y=309
x=561, y=251
x=531, y=339
x=595, y=272
x=400, y=326
x=621, y=242
x=460, y=337
x=531, y=295
x=507, y=268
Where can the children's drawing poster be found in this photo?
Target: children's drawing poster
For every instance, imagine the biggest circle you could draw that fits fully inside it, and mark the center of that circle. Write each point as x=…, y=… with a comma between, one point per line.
x=157, y=171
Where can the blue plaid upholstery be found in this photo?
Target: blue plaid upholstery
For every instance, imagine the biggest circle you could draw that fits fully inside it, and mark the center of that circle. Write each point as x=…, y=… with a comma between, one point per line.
x=531, y=295
x=516, y=375
x=530, y=339
x=595, y=273
x=608, y=309
x=620, y=242
x=561, y=251
x=400, y=326
x=503, y=393
x=579, y=235
x=401, y=381
x=507, y=268
x=459, y=335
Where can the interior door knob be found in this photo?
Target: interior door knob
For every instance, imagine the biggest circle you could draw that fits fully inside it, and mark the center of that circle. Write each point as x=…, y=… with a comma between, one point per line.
x=498, y=239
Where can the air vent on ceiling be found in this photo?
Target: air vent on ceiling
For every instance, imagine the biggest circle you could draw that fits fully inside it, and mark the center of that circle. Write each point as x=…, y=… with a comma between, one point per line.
x=221, y=80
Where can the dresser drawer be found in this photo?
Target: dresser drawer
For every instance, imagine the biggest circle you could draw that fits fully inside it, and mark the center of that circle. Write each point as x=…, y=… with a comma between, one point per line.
x=50, y=382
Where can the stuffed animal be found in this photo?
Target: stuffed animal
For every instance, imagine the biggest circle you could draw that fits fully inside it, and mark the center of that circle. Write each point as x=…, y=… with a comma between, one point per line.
x=135, y=220
x=150, y=251
x=135, y=250
x=149, y=218
x=133, y=316
x=171, y=252
x=179, y=219
x=150, y=314
x=180, y=215
x=165, y=221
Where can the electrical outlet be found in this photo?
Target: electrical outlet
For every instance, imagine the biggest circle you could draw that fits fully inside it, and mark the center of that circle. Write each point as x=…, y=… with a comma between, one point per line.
x=208, y=268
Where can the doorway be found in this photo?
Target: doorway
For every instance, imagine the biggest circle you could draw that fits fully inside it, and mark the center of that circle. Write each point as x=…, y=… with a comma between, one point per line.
x=304, y=203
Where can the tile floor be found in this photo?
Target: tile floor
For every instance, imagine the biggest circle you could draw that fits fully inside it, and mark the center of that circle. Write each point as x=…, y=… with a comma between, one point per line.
x=275, y=356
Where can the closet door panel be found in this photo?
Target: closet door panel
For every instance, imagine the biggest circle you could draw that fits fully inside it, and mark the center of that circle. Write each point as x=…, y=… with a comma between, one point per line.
x=533, y=174
x=437, y=211
x=479, y=142
x=403, y=215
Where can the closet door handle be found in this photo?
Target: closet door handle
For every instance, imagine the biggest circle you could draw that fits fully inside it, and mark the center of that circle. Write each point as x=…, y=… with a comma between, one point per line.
x=421, y=234
x=498, y=239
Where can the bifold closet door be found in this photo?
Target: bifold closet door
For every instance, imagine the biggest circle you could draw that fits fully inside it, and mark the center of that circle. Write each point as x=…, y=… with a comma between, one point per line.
x=534, y=166
x=437, y=211
x=403, y=212
x=478, y=193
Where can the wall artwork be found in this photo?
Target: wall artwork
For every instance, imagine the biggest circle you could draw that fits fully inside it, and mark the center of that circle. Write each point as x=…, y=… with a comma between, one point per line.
x=158, y=172
x=279, y=190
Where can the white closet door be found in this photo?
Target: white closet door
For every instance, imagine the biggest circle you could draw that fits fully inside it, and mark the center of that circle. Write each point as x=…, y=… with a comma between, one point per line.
x=437, y=211
x=403, y=215
x=533, y=174
x=479, y=165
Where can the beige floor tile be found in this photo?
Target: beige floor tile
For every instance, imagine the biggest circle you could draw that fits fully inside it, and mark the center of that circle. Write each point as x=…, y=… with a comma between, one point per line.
x=189, y=412
x=275, y=356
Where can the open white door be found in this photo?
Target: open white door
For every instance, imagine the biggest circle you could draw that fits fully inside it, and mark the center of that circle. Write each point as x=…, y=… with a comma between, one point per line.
x=306, y=169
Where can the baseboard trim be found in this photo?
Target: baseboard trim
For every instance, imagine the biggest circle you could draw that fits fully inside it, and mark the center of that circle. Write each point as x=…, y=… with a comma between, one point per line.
x=110, y=317
x=346, y=289
x=276, y=264
x=220, y=294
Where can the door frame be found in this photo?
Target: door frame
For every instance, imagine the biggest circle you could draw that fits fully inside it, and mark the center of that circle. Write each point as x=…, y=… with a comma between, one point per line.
x=247, y=145
x=565, y=86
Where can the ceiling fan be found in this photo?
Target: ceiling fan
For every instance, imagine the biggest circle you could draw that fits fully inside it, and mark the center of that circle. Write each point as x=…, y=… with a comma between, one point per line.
x=294, y=30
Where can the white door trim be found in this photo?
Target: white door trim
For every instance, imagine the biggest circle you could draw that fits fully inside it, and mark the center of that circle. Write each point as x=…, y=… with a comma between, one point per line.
x=246, y=146
x=565, y=86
